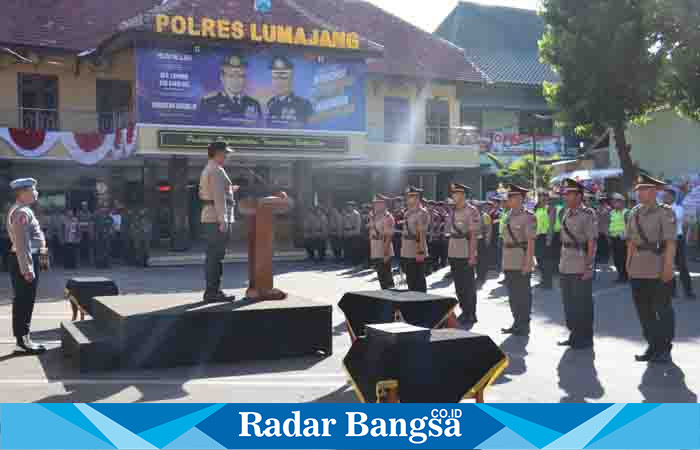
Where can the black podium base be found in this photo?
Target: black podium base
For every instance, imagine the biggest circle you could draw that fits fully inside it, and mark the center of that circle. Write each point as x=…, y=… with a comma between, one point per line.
x=156, y=331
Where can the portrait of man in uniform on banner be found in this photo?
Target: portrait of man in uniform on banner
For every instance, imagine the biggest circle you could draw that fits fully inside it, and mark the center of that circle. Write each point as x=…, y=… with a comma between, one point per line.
x=231, y=104
x=286, y=108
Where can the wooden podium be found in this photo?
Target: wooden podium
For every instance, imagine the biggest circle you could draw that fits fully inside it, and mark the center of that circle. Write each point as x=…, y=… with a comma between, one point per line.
x=260, y=213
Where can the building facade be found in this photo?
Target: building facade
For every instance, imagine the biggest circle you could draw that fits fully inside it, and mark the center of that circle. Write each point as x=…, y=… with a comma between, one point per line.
x=321, y=98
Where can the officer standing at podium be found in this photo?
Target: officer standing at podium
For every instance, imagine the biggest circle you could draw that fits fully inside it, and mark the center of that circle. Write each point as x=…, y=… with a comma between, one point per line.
x=414, y=247
x=463, y=226
x=381, y=232
x=651, y=250
x=518, y=259
x=216, y=193
x=579, y=236
x=28, y=254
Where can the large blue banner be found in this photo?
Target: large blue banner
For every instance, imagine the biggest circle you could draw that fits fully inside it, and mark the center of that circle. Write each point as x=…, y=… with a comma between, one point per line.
x=250, y=89
x=350, y=426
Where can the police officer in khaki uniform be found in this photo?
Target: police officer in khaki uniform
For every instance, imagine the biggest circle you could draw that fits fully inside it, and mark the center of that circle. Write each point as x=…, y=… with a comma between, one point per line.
x=414, y=248
x=651, y=248
x=463, y=226
x=335, y=232
x=217, y=195
x=352, y=228
x=28, y=255
x=381, y=232
x=518, y=259
x=311, y=226
x=579, y=236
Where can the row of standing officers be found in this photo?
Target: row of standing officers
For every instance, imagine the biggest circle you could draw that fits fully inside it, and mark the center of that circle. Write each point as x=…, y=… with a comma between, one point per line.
x=648, y=237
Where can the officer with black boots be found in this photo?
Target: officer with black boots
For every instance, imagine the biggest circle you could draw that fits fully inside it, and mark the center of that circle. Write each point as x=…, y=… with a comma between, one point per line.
x=217, y=195
x=28, y=255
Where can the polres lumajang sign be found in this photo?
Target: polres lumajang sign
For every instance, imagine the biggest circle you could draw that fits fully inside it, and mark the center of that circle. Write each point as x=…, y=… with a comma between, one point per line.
x=222, y=28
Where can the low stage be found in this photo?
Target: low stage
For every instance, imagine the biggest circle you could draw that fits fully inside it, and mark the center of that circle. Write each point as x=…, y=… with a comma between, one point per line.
x=167, y=330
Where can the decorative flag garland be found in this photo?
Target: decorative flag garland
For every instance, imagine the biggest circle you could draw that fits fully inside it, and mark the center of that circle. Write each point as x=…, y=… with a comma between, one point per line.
x=30, y=143
x=85, y=148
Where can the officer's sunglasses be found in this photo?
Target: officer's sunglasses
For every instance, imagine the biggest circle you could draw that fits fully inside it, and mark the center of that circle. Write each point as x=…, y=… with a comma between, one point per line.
x=281, y=75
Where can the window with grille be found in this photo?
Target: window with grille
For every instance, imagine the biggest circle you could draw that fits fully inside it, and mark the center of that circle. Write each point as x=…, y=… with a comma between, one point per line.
x=38, y=101
x=437, y=117
x=397, y=120
x=113, y=104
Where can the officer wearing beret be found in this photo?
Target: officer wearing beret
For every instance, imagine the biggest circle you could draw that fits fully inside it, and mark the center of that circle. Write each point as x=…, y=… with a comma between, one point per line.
x=381, y=232
x=518, y=252
x=231, y=104
x=216, y=193
x=285, y=108
x=579, y=236
x=28, y=255
x=414, y=248
x=463, y=226
x=651, y=249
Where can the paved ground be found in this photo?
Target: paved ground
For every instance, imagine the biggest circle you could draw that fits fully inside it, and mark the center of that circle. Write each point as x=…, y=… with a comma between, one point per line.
x=539, y=370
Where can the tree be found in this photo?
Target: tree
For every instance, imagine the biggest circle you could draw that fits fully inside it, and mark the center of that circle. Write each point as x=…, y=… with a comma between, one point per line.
x=678, y=24
x=520, y=171
x=607, y=56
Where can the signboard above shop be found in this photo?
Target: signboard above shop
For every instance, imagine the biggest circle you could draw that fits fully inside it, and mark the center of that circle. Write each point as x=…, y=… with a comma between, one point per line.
x=177, y=139
x=254, y=88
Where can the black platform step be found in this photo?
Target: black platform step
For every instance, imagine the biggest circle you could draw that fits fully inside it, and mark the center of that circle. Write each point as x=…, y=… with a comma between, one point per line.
x=153, y=331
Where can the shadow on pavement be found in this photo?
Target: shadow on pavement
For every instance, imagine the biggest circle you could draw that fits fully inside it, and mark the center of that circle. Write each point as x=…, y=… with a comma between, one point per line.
x=665, y=383
x=578, y=376
x=344, y=394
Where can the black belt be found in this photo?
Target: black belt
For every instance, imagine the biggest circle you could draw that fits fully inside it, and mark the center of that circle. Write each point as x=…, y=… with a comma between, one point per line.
x=211, y=202
x=520, y=246
x=574, y=246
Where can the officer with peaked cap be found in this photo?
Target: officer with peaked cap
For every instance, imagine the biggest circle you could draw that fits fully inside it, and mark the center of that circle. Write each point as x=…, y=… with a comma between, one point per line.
x=28, y=255
x=651, y=249
x=231, y=104
x=381, y=232
x=285, y=107
x=463, y=226
x=414, y=247
x=216, y=193
x=518, y=259
x=579, y=237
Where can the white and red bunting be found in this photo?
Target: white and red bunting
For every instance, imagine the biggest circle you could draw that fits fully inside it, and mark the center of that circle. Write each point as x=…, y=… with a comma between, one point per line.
x=85, y=148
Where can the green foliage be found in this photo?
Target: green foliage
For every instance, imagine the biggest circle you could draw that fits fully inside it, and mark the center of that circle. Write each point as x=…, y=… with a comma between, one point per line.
x=520, y=172
x=601, y=50
x=678, y=25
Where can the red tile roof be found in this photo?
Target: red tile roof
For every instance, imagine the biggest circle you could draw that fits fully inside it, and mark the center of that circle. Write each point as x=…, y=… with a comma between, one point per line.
x=79, y=25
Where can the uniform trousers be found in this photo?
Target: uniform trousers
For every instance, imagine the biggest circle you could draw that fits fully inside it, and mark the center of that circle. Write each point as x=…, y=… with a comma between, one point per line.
x=603, y=249
x=71, y=255
x=652, y=298
x=384, y=274
x=321, y=244
x=682, y=266
x=337, y=246
x=619, y=251
x=556, y=251
x=415, y=274
x=482, y=264
x=214, y=260
x=519, y=298
x=465, y=286
x=545, y=260
x=577, y=297
x=310, y=244
x=24, y=296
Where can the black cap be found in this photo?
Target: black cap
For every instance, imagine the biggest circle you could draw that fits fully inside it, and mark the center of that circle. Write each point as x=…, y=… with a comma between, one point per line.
x=645, y=181
x=218, y=146
x=456, y=187
x=281, y=63
x=235, y=61
x=571, y=185
x=412, y=190
x=514, y=189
